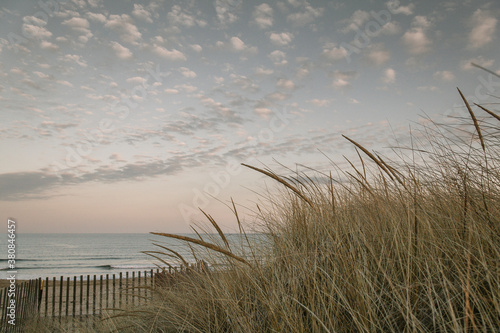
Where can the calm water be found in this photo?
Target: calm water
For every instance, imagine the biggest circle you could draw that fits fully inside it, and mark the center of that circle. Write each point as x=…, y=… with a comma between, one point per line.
x=48, y=255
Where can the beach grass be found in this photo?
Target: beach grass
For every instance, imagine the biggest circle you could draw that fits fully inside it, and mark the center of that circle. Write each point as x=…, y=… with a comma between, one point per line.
x=403, y=243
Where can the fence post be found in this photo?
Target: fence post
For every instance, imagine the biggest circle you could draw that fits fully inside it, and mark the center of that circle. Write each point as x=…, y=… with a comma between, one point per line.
x=81, y=295
x=67, y=296
x=133, y=288
x=107, y=290
x=74, y=296
x=120, y=290
x=88, y=293
x=114, y=290
x=93, y=296
x=54, y=297
x=100, y=297
x=46, y=296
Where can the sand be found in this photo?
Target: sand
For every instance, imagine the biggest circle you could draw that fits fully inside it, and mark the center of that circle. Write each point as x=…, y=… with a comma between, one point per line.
x=74, y=300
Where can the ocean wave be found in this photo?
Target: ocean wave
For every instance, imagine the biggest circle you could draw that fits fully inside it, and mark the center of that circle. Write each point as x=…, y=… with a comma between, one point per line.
x=127, y=266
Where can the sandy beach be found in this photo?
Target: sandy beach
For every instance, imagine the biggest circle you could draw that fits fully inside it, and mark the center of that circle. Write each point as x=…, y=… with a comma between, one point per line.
x=87, y=297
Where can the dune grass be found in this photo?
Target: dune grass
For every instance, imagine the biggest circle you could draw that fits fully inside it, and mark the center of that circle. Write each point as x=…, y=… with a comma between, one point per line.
x=391, y=245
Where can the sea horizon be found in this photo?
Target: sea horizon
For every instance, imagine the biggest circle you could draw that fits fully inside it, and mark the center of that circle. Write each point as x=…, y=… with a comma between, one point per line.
x=42, y=255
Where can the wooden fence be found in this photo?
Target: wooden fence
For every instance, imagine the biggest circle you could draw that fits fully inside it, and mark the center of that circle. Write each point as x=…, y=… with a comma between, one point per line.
x=87, y=295
x=18, y=304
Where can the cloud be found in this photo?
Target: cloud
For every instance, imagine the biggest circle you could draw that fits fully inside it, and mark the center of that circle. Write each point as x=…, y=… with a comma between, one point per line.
x=237, y=45
x=36, y=32
x=141, y=13
x=278, y=58
x=306, y=15
x=281, y=39
x=480, y=60
x=97, y=17
x=263, y=16
x=77, y=23
x=125, y=27
x=23, y=185
x=334, y=53
x=117, y=157
x=390, y=28
x=396, y=9
x=186, y=87
x=196, y=48
x=261, y=71
x=74, y=58
x=244, y=83
x=427, y=88
x=173, y=55
x=121, y=51
x=444, y=76
x=40, y=184
x=342, y=80
x=416, y=40
x=263, y=112
x=178, y=16
x=358, y=18
x=285, y=84
x=136, y=80
x=227, y=10
x=186, y=72
x=483, y=31
x=377, y=54
x=389, y=76
x=34, y=21
x=171, y=91
x=46, y=45
x=320, y=102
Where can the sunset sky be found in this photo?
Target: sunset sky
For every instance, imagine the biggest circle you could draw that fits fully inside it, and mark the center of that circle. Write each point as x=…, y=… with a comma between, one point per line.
x=126, y=116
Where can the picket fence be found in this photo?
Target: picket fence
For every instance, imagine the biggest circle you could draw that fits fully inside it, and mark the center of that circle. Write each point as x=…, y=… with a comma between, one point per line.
x=84, y=295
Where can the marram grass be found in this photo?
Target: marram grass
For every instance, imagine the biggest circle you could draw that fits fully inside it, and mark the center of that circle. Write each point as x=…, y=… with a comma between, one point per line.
x=400, y=246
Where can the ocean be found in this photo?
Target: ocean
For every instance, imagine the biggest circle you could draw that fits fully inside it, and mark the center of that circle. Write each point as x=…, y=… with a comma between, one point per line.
x=54, y=255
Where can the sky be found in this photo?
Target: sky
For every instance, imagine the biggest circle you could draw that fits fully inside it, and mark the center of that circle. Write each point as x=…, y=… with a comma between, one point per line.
x=129, y=116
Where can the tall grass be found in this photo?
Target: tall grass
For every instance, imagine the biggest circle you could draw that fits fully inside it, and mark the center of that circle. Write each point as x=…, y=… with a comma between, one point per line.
x=407, y=244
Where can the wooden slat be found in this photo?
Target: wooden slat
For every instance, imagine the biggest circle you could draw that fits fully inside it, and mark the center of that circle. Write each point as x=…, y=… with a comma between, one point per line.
x=120, y=289
x=100, y=296
x=74, y=296
x=2, y=305
x=126, y=288
x=46, y=296
x=54, y=296
x=67, y=296
x=114, y=291
x=88, y=294
x=61, y=283
x=81, y=295
x=133, y=288
x=94, y=296
x=107, y=290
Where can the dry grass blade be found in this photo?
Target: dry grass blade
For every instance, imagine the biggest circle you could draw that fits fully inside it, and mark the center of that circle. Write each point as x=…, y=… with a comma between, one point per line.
x=174, y=252
x=488, y=111
x=150, y=253
x=282, y=181
x=484, y=69
x=216, y=226
x=474, y=120
x=204, y=244
x=370, y=155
